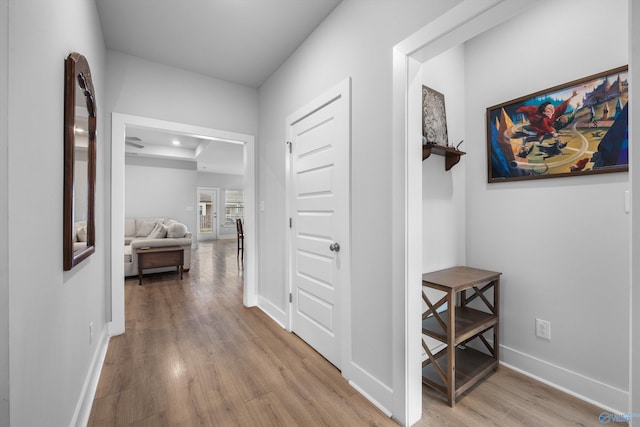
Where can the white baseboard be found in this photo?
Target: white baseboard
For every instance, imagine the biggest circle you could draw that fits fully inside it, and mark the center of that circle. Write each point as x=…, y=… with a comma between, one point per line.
x=371, y=399
x=275, y=313
x=85, y=402
x=588, y=389
x=362, y=380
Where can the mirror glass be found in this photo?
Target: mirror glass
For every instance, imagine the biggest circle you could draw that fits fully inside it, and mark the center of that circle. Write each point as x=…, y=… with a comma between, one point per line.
x=80, y=161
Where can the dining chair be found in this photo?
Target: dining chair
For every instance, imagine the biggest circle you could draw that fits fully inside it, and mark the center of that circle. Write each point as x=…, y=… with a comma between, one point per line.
x=240, y=238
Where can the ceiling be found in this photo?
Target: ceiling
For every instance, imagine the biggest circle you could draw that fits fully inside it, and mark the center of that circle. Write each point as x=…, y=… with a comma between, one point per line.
x=212, y=156
x=240, y=41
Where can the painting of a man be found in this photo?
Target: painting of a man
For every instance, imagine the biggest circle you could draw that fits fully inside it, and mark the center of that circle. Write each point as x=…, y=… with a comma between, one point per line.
x=543, y=117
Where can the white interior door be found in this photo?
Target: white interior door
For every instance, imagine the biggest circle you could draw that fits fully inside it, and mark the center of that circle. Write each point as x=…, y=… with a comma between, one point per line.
x=318, y=197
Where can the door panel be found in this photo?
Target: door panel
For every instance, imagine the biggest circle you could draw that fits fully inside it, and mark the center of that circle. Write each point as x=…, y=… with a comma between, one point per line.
x=316, y=310
x=314, y=182
x=315, y=224
x=310, y=265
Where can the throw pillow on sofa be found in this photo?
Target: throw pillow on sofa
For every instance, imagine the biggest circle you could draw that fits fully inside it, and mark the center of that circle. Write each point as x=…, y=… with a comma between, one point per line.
x=80, y=231
x=158, y=232
x=176, y=230
x=82, y=234
x=145, y=227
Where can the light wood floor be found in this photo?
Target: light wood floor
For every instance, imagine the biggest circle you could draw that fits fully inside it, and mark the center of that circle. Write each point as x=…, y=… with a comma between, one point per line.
x=193, y=355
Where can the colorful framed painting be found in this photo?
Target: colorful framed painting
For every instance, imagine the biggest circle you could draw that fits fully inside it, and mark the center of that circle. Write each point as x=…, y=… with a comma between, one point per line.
x=578, y=128
x=434, y=118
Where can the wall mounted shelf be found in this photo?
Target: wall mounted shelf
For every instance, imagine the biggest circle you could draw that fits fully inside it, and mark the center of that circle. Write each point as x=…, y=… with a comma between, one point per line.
x=452, y=156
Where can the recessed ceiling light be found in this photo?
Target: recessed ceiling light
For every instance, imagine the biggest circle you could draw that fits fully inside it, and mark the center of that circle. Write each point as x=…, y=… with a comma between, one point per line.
x=175, y=142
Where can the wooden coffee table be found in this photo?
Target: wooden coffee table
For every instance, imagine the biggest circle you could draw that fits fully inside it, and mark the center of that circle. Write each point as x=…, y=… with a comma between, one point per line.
x=160, y=257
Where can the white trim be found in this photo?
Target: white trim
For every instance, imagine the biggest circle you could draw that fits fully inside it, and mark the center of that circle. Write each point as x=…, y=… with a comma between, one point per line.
x=634, y=250
x=600, y=394
x=376, y=390
x=371, y=399
x=118, y=123
x=407, y=389
x=464, y=21
x=275, y=313
x=88, y=392
x=287, y=240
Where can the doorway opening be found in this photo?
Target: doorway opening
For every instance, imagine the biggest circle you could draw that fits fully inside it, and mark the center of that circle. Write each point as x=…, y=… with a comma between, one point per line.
x=207, y=214
x=119, y=123
x=461, y=23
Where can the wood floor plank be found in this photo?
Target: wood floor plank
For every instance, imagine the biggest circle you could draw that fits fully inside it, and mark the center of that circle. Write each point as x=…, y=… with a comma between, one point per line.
x=157, y=420
x=193, y=355
x=269, y=411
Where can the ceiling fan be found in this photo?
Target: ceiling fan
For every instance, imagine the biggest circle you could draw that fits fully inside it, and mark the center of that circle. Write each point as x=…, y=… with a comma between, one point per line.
x=133, y=141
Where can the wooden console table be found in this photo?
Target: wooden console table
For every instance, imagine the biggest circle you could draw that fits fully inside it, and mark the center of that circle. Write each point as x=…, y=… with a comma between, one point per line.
x=160, y=257
x=455, y=368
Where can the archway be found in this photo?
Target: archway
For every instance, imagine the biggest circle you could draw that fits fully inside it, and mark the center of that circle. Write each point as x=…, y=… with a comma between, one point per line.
x=461, y=23
x=118, y=125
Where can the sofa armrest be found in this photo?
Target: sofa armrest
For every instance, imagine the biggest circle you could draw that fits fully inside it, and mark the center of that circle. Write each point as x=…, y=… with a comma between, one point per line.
x=157, y=243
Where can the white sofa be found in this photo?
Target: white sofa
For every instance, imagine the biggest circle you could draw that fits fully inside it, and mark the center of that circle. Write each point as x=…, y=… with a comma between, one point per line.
x=153, y=232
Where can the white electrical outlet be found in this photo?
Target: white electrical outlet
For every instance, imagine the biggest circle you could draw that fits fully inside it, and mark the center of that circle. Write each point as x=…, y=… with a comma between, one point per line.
x=543, y=329
x=90, y=333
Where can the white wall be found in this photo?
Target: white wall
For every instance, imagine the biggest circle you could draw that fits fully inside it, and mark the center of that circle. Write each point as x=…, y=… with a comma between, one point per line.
x=443, y=192
x=4, y=229
x=220, y=180
x=161, y=188
x=148, y=89
x=562, y=244
x=50, y=354
x=355, y=41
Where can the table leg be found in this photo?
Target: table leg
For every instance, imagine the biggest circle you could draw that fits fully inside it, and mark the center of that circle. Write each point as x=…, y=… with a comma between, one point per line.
x=496, y=328
x=451, y=350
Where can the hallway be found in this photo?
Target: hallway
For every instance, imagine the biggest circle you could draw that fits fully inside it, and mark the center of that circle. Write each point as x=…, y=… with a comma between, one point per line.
x=193, y=355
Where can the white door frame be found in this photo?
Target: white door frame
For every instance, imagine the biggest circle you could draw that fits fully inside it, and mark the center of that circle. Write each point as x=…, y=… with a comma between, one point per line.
x=342, y=89
x=216, y=203
x=464, y=21
x=118, y=123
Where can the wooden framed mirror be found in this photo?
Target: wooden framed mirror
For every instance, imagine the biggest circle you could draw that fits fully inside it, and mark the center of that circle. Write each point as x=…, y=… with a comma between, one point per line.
x=79, y=161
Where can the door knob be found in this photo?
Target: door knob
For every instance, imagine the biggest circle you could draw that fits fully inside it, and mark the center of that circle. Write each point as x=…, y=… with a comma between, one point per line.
x=335, y=247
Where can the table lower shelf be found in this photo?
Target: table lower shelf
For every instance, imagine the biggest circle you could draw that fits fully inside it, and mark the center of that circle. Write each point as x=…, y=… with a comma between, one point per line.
x=471, y=366
x=469, y=322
